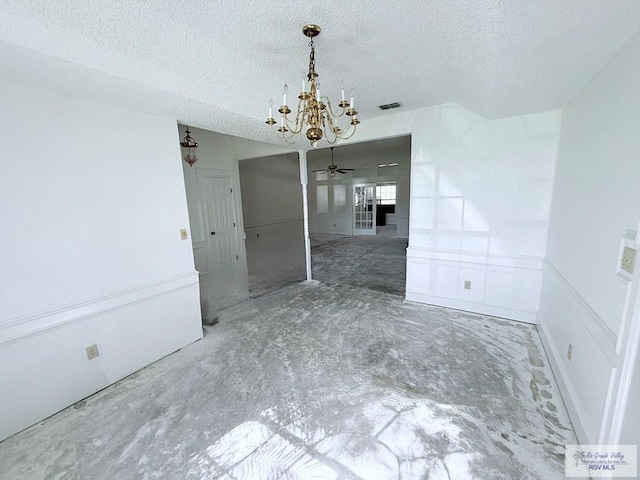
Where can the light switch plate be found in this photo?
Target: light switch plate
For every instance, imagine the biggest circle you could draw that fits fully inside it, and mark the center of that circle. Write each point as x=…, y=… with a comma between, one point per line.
x=627, y=252
x=628, y=261
x=183, y=234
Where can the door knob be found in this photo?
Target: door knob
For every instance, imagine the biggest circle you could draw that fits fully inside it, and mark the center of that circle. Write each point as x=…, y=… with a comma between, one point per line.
x=213, y=233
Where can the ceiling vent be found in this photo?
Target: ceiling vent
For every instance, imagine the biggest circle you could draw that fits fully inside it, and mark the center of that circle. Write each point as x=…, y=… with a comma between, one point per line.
x=389, y=106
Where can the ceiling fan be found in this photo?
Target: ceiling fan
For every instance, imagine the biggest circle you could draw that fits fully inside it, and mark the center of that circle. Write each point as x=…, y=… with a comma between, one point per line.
x=333, y=168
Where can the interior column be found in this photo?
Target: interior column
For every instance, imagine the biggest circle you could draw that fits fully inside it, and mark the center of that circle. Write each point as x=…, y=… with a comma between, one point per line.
x=302, y=156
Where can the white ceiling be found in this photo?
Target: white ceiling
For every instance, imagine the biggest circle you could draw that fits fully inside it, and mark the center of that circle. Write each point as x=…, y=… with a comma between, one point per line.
x=216, y=64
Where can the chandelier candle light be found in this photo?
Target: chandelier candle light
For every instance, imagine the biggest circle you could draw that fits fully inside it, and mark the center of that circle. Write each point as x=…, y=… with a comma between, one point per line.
x=314, y=112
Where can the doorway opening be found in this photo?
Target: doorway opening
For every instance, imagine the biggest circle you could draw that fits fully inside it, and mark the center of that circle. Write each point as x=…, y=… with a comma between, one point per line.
x=273, y=222
x=361, y=238
x=386, y=218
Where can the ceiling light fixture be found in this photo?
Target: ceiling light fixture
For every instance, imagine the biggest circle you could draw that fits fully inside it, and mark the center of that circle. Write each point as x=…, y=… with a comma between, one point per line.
x=314, y=112
x=189, y=145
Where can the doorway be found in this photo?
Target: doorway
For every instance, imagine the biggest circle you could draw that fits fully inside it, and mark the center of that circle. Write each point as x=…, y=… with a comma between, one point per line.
x=362, y=241
x=273, y=222
x=364, y=209
x=224, y=281
x=386, y=217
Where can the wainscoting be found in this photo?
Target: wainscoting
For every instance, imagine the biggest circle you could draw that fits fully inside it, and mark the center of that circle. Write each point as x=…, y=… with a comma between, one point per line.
x=43, y=363
x=505, y=286
x=586, y=379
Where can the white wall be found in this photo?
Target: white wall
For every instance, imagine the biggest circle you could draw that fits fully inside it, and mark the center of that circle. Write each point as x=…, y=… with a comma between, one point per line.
x=272, y=197
x=596, y=200
x=92, y=203
x=365, y=162
x=273, y=220
x=480, y=200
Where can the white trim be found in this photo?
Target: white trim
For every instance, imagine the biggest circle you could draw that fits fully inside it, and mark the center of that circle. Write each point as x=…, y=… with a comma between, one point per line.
x=631, y=351
x=621, y=351
x=515, y=261
x=601, y=333
x=627, y=349
x=474, y=307
x=567, y=390
x=34, y=323
x=274, y=222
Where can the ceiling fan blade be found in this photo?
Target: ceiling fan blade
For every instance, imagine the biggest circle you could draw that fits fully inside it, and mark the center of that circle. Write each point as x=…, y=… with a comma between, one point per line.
x=325, y=170
x=348, y=169
x=341, y=171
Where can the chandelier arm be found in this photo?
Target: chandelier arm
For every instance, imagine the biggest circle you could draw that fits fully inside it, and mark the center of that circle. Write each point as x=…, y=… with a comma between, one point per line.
x=331, y=134
x=353, y=131
x=292, y=138
x=343, y=134
x=299, y=120
x=330, y=108
x=296, y=127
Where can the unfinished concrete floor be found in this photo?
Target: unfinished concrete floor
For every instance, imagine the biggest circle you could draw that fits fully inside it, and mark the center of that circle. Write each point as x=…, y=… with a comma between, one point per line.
x=274, y=264
x=319, y=382
x=376, y=262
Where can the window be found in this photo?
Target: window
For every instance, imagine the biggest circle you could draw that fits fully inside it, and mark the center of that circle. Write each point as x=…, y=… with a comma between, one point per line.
x=322, y=199
x=339, y=199
x=386, y=193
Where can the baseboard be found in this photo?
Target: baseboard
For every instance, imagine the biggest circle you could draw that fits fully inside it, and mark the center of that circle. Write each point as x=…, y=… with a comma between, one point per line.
x=474, y=307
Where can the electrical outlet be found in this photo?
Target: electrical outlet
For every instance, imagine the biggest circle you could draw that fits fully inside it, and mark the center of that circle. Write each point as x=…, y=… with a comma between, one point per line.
x=467, y=284
x=92, y=352
x=183, y=234
x=570, y=351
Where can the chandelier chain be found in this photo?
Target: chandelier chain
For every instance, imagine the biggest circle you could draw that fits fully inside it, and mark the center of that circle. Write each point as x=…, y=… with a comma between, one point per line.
x=312, y=61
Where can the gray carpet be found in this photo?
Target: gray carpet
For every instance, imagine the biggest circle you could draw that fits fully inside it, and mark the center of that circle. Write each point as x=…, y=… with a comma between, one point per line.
x=370, y=262
x=319, y=382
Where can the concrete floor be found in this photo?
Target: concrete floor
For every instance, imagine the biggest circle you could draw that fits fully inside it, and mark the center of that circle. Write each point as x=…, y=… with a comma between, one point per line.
x=319, y=382
x=374, y=262
x=273, y=265
x=377, y=262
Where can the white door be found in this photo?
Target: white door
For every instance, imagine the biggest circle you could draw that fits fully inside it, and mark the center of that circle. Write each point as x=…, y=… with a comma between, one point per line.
x=226, y=283
x=364, y=209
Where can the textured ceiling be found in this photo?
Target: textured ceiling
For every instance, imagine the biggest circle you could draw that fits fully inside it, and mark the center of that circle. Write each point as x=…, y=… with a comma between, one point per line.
x=216, y=64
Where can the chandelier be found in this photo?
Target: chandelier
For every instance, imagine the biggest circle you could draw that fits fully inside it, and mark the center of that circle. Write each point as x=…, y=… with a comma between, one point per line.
x=314, y=113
